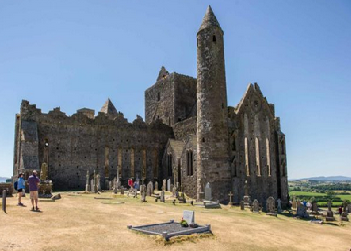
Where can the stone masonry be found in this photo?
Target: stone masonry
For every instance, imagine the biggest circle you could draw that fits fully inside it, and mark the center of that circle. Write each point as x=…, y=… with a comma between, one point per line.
x=190, y=136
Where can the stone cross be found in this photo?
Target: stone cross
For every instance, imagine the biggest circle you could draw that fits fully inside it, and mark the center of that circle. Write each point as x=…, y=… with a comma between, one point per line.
x=329, y=205
x=44, y=171
x=230, y=198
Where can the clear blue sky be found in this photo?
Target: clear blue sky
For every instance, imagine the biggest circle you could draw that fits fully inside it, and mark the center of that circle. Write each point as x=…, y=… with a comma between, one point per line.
x=76, y=54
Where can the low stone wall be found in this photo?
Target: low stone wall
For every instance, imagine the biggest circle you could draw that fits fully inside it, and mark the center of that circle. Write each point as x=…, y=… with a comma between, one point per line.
x=8, y=187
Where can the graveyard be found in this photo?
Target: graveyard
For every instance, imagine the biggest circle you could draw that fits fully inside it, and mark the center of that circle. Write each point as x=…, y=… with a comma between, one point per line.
x=99, y=221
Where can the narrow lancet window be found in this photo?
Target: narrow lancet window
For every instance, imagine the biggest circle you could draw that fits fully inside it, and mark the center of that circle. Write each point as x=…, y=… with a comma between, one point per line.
x=268, y=157
x=247, y=158
x=257, y=157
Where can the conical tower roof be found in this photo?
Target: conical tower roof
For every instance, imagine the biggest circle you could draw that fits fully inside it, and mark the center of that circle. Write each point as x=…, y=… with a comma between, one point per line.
x=109, y=108
x=209, y=20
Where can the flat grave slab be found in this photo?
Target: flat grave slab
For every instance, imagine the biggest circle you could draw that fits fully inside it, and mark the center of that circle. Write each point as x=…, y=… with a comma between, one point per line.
x=170, y=229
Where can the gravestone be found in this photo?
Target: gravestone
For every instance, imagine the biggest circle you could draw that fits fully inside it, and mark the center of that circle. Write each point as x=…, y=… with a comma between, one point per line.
x=344, y=213
x=87, y=182
x=149, y=189
x=314, y=207
x=270, y=206
x=164, y=185
x=171, y=188
x=330, y=214
x=302, y=211
x=208, y=192
x=162, y=199
x=255, y=206
x=115, y=185
x=189, y=216
x=182, y=198
x=156, y=186
x=279, y=206
x=98, y=185
x=247, y=200
x=242, y=205
x=143, y=193
x=168, y=185
x=174, y=192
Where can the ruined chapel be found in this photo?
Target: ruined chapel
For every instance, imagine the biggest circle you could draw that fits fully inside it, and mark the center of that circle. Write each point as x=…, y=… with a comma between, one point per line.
x=190, y=136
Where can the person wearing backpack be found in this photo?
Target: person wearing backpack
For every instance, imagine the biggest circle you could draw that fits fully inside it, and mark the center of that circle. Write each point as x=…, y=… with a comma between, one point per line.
x=20, y=188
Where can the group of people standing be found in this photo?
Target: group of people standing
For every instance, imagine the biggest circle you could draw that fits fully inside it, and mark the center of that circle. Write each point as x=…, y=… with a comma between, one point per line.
x=33, y=182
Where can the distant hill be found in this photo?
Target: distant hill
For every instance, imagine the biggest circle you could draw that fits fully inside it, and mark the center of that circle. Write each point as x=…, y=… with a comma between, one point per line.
x=328, y=178
x=3, y=179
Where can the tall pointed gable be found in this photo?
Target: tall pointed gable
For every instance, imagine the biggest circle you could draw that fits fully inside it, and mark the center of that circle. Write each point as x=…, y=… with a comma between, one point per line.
x=109, y=108
x=253, y=91
x=209, y=20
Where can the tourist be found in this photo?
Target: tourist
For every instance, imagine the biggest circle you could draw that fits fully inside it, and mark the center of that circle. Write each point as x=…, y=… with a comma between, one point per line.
x=130, y=183
x=20, y=188
x=33, y=182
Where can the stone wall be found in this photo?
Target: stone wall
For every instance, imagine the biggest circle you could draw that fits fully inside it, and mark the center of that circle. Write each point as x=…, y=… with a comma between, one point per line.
x=172, y=98
x=254, y=147
x=71, y=145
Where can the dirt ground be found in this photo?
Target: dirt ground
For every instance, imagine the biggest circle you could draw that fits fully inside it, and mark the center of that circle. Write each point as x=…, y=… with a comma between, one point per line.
x=80, y=222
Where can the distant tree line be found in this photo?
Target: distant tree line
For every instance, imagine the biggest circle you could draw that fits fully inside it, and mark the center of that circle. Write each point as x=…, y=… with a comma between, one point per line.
x=332, y=187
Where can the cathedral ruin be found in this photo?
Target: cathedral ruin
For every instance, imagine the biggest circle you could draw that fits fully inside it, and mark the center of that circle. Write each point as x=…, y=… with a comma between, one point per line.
x=190, y=136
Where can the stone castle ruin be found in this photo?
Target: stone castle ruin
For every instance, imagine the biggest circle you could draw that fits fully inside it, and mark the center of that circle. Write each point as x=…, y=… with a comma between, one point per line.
x=190, y=136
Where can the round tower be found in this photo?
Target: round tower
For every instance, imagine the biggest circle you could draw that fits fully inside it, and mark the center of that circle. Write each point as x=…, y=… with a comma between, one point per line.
x=212, y=111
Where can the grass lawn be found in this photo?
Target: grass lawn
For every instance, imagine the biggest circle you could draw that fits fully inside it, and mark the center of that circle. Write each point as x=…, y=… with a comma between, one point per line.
x=303, y=193
x=81, y=222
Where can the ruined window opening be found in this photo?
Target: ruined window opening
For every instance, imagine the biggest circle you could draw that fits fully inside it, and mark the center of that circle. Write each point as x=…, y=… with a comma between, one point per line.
x=247, y=158
x=203, y=139
x=234, y=143
x=189, y=162
x=158, y=96
x=268, y=157
x=57, y=148
x=257, y=157
x=214, y=39
x=169, y=164
x=179, y=119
